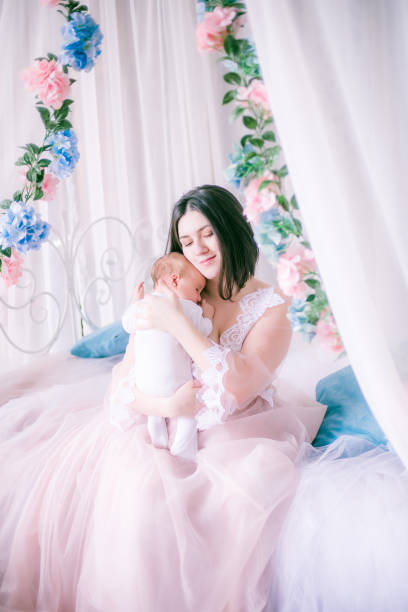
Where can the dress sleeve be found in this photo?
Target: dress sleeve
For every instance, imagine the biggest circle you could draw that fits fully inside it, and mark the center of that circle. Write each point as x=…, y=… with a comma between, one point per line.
x=121, y=394
x=232, y=381
x=129, y=318
x=245, y=364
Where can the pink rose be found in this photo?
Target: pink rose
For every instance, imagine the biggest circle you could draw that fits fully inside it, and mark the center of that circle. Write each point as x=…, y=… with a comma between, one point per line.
x=50, y=2
x=11, y=268
x=49, y=187
x=291, y=268
x=327, y=333
x=211, y=32
x=257, y=201
x=256, y=94
x=49, y=82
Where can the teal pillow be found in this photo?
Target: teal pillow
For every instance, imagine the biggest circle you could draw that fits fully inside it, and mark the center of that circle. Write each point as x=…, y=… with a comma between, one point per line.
x=347, y=410
x=104, y=342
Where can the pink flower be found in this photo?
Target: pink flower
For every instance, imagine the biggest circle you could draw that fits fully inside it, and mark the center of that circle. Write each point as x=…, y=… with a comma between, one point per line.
x=327, y=333
x=49, y=81
x=292, y=265
x=211, y=32
x=256, y=94
x=50, y=2
x=11, y=268
x=257, y=201
x=49, y=187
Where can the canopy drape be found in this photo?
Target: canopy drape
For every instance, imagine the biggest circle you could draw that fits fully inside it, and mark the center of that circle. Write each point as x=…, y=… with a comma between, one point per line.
x=336, y=77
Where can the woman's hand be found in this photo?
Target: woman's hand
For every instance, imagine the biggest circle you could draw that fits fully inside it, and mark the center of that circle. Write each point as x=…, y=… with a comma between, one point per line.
x=160, y=312
x=184, y=401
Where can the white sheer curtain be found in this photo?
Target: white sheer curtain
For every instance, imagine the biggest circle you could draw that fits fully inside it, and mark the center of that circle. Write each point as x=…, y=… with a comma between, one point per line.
x=150, y=126
x=336, y=73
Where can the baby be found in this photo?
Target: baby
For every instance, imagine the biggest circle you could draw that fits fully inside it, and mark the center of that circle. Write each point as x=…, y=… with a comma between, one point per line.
x=161, y=365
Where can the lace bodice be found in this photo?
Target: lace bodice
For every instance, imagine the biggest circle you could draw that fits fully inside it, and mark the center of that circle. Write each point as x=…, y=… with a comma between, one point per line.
x=218, y=404
x=253, y=306
x=217, y=401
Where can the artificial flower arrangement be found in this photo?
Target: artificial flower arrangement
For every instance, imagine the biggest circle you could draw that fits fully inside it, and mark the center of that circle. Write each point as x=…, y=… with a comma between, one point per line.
x=44, y=165
x=255, y=170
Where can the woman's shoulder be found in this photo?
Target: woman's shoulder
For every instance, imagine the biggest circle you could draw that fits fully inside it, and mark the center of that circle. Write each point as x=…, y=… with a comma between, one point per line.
x=254, y=285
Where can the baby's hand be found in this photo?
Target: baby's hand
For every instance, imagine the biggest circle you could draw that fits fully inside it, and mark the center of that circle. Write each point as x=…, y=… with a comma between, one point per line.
x=208, y=310
x=138, y=293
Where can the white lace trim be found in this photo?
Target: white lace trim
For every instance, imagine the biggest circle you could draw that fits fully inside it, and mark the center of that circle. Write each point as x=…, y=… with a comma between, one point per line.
x=119, y=402
x=252, y=307
x=218, y=403
x=212, y=394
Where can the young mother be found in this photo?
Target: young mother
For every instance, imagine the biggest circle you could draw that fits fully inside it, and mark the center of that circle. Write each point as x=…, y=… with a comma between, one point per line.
x=98, y=519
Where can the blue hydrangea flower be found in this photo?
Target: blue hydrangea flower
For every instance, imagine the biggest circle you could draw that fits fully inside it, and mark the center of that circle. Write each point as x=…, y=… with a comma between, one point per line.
x=200, y=10
x=64, y=151
x=82, y=38
x=237, y=169
x=298, y=319
x=266, y=234
x=21, y=227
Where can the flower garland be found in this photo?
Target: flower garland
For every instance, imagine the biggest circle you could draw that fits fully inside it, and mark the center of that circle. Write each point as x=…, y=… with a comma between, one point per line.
x=255, y=169
x=43, y=166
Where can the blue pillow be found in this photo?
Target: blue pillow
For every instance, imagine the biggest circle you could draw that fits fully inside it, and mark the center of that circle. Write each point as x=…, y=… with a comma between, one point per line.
x=347, y=410
x=104, y=342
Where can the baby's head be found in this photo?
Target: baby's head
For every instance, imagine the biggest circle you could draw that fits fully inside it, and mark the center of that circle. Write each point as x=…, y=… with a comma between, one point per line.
x=179, y=275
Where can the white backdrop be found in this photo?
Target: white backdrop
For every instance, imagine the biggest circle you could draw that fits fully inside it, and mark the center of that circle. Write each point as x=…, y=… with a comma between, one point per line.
x=150, y=126
x=336, y=73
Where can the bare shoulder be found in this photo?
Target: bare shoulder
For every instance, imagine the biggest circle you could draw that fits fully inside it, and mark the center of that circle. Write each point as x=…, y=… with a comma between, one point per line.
x=254, y=284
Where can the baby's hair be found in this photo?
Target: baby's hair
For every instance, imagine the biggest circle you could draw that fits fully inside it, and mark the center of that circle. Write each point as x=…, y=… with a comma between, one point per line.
x=169, y=264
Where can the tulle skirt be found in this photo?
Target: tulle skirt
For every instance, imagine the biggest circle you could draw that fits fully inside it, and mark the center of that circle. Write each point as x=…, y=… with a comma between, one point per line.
x=96, y=520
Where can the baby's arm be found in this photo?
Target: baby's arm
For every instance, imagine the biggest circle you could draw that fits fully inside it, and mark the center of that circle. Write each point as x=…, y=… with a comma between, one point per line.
x=130, y=315
x=199, y=318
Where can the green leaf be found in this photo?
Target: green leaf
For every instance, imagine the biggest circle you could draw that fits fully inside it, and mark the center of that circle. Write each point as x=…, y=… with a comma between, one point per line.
x=244, y=139
x=71, y=81
x=6, y=252
x=282, y=172
x=312, y=282
x=249, y=122
x=43, y=163
x=31, y=175
x=231, y=45
x=5, y=204
x=298, y=227
x=264, y=184
x=45, y=115
x=257, y=142
x=229, y=96
x=269, y=136
x=232, y=78
x=32, y=148
x=20, y=162
x=27, y=159
x=237, y=112
x=38, y=194
x=293, y=202
x=51, y=56
x=310, y=297
x=17, y=196
x=283, y=202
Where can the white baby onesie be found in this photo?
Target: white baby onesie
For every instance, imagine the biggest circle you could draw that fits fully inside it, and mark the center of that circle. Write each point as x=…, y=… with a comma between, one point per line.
x=161, y=366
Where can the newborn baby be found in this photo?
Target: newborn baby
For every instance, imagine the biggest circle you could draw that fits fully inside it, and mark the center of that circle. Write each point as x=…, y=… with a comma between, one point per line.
x=161, y=365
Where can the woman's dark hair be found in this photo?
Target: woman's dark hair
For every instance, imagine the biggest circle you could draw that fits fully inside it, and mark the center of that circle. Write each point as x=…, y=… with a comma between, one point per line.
x=235, y=236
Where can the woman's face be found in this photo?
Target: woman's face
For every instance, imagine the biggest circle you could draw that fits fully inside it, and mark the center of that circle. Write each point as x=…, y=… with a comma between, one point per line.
x=199, y=243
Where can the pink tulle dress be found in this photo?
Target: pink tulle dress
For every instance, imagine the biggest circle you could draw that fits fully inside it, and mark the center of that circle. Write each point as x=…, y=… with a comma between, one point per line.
x=94, y=518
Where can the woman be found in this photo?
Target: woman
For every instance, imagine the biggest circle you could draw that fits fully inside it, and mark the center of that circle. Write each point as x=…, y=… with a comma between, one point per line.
x=94, y=518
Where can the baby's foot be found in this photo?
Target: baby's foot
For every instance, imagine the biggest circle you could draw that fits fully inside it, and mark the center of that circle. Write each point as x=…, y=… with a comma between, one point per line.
x=158, y=432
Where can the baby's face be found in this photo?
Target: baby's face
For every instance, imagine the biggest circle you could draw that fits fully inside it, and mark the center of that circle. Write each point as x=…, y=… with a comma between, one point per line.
x=190, y=285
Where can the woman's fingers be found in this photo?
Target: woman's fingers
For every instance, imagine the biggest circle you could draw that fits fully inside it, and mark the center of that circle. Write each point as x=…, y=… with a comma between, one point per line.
x=185, y=402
